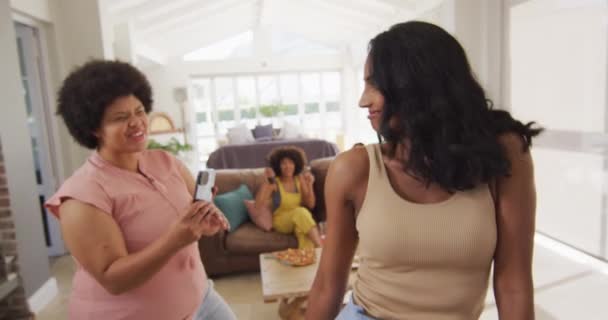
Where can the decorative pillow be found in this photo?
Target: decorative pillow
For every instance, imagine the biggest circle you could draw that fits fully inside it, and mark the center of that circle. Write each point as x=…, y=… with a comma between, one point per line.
x=262, y=132
x=290, y=131
x=240, y=134
x=232, y=205
x=262, y=217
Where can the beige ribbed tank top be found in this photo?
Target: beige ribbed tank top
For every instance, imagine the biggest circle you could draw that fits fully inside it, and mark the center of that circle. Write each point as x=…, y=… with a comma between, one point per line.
x=423, y=261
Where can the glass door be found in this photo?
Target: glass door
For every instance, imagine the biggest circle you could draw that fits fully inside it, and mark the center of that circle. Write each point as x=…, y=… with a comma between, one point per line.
x=37, y=115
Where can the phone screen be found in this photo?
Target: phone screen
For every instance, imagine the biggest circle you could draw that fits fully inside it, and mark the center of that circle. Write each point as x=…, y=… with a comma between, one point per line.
x=204, y=185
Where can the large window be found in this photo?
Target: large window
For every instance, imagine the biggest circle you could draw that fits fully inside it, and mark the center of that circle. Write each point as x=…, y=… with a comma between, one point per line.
x=290, y=97
x=247, y=100
x=311, y=96
x=201, y=90
x=332, y=94
x=309, y=100
x=268, y=89
x=225, y=103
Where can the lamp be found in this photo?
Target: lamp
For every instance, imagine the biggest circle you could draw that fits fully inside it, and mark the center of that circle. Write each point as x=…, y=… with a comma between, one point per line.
x=180, y=95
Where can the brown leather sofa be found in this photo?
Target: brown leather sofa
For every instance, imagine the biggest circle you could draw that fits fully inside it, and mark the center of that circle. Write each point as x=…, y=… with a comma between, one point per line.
x=239, y=251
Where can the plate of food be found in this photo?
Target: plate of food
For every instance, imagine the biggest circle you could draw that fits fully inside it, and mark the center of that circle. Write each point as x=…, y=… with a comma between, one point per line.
x=296, y=257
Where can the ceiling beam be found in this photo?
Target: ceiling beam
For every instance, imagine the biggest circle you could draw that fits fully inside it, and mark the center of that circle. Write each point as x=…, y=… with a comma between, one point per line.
x=427, y=6
x=329, y=35
x=182, y=19
x=151, y=54
x=369, y=6
x=315, y=33
x=409, y=5
x=348, y=12
x=155, y=14
x=144, y=8
x=187, y=39
x=178, y=48
x=304, y=13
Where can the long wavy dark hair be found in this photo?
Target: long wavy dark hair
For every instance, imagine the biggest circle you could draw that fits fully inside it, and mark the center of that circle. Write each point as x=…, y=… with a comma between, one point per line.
x=433, y=101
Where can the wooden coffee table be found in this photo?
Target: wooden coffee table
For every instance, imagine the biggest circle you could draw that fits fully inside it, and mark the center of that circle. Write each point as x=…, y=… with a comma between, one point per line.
x=290, y=285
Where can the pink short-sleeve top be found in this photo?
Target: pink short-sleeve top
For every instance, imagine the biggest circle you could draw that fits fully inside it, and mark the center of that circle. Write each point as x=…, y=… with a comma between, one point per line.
x=143, y=205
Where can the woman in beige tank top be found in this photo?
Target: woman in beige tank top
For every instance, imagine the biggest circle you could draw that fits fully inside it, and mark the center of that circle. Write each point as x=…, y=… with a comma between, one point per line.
x=449, y=192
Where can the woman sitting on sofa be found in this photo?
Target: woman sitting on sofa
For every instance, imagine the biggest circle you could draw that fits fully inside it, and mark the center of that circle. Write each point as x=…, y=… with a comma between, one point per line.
x=291, y=195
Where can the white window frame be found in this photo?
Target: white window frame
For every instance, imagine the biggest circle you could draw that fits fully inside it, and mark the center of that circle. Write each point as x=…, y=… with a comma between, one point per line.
x=277, y=76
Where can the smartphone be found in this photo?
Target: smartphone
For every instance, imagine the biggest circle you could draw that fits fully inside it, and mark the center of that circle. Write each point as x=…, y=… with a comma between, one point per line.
x=205, y=181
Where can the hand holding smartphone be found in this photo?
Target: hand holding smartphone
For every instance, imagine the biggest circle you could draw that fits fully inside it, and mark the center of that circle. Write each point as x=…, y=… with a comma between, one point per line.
x=205, y=181
x=269, y=173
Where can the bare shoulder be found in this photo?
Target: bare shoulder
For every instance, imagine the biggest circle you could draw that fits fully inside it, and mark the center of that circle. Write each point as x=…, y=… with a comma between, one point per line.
x=350, y=168
x=521, y=177
x=514, y=145
x=353, y=162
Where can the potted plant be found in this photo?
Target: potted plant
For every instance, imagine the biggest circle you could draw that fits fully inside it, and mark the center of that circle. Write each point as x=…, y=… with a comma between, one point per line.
x=182, y=151
x=173, y=146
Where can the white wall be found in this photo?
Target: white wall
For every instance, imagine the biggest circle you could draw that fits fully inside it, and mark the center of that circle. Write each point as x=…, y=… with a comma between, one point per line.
x=559, y=78
x=570, y=188
x=559, y=65
x=19, y=162
x=76, y=36
x=478, y=26
x=163, y=80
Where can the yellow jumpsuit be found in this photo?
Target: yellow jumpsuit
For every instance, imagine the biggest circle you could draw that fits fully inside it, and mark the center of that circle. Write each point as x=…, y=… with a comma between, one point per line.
x=292, y=217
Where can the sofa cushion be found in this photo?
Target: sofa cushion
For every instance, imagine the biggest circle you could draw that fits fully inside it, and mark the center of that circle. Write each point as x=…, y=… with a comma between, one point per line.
x=249, y=239
x=232, y=205
x=240, y=134
x=290, y=131
x=263, y=133
x=230, y=179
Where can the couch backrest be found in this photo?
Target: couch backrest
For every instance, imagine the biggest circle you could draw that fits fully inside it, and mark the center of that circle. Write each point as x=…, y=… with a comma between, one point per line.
x=230, y=179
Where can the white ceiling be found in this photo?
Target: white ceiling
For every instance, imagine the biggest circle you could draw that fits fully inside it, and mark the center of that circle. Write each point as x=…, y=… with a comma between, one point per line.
x=165, y=29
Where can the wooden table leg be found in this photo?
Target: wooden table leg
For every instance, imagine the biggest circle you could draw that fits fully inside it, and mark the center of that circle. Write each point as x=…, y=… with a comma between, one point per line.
x=291, y=310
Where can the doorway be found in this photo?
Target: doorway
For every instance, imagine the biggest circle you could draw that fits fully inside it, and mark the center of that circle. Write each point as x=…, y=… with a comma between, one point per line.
x=38, y=113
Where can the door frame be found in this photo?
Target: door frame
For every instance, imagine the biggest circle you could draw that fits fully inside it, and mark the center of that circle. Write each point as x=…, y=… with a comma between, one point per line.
x=52, y=124
x=52, y=171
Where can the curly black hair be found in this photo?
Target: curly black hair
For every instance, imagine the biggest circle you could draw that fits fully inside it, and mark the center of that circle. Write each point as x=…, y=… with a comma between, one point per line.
x=435, y=103
x=296, y=155
x=91, y=88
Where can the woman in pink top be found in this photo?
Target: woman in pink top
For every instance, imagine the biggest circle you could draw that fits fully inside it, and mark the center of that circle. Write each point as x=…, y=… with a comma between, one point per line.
x=127, y=215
